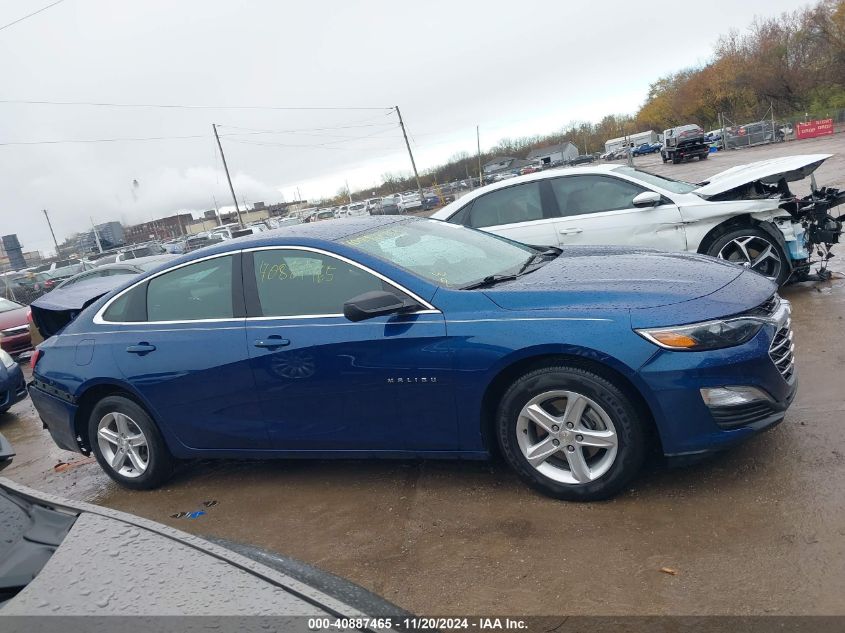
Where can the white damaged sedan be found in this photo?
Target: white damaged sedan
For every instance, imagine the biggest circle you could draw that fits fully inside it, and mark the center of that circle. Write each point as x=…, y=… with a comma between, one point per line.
x=746, y=214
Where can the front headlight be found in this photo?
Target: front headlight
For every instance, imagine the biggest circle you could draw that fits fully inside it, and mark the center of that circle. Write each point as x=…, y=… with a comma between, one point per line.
x=8, y=361
x=704, y=336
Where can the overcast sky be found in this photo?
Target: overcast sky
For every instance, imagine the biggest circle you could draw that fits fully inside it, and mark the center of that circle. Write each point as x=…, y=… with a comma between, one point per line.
x=512, y=68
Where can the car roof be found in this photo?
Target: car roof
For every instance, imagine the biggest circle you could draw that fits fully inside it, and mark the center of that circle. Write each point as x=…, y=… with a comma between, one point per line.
x=132, y=263
x=452, y=207
x=329, y=231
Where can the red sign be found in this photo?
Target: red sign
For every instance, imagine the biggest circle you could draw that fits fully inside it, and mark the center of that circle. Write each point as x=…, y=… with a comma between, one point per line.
x=812, y=129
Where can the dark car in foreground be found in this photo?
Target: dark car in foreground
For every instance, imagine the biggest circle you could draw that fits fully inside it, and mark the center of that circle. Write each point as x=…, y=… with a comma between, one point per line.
x=412, y=338
x=12, y=384
x=62, y=558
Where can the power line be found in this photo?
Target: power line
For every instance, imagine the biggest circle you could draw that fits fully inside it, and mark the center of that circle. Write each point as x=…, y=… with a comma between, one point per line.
x=103, y=140
x=6, y=26
x=185, y=106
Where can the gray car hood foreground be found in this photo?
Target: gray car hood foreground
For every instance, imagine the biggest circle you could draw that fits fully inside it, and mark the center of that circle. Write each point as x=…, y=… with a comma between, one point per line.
x=789, y=168
x=112, y=563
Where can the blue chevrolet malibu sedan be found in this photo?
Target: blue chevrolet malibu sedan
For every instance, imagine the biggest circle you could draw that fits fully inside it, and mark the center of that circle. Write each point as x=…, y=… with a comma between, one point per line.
x=403, y=337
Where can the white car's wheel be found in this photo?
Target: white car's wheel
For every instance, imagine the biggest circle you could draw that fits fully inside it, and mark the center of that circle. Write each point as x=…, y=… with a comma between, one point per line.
x=753, y=248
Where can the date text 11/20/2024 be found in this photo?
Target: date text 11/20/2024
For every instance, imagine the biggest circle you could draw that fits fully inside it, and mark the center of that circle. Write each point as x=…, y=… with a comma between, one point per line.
x=418, y=624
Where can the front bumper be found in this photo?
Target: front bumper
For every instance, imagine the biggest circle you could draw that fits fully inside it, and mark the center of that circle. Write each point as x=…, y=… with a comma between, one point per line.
x=687, y=426
x=12, y=387
x=58, y=415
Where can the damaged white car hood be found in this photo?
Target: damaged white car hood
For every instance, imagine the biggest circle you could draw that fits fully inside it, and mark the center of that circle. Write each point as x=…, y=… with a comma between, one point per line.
x=790, y=168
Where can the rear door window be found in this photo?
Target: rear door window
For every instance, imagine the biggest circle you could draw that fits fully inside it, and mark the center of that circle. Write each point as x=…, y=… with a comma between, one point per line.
x=520, y=203
x=197, y=291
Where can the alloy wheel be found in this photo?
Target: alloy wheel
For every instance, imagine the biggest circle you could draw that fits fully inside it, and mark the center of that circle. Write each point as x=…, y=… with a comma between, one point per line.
x=123, y=444
x=754, y=252
x=567, y=437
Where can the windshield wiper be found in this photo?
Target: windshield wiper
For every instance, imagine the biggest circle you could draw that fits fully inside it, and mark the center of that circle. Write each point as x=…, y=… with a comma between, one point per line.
x=546, y=253
x=494, y=279
x=489, y=281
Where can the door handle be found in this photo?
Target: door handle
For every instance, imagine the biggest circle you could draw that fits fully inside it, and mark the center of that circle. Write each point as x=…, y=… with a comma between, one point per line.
x=272, y=341
x=571, y=231
x=141, y=348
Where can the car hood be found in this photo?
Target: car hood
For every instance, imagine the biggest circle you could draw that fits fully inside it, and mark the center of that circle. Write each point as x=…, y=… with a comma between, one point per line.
x=790, y=168
x=604, y=276
x=13, y=318
x=179, y=574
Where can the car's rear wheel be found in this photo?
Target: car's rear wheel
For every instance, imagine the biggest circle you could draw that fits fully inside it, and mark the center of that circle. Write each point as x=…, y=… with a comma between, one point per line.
x=128, y=445
x=571, y=433
x=753, y=248
x=703, y=156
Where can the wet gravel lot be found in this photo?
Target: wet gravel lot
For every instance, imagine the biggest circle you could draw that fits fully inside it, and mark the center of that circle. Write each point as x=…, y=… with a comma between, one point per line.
x=758, y=530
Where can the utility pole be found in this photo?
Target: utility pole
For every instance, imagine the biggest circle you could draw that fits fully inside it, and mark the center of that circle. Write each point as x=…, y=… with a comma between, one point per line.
x=217, y=211
x=46, y=215
x=348, y=191
x=228, y=177
x=96, y=235
x=408, y=145
x=478, y=145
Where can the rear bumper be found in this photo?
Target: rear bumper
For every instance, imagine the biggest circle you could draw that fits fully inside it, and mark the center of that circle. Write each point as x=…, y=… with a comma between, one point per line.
x=58, y=417
x=13, y=388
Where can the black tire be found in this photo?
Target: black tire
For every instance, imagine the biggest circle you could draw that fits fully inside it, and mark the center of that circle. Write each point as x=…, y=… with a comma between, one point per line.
x=160, y=463
x=703, y=156
x=626, y=421
x=783, y=272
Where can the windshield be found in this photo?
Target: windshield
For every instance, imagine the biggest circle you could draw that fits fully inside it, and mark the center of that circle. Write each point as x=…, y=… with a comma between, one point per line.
x=447, y=254
x=6, y=305
x=669, y=184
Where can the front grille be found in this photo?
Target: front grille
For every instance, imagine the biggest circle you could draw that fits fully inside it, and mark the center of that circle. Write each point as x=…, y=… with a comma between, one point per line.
x=741, y=415
x=782, y=351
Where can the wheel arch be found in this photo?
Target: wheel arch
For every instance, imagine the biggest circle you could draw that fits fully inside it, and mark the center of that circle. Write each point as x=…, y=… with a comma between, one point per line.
x=88, y=398
x=521, y=366
x=745, y=220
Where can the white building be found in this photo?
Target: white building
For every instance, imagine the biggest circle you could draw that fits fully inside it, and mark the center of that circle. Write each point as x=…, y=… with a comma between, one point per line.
x=560, y=153
x=637, y=139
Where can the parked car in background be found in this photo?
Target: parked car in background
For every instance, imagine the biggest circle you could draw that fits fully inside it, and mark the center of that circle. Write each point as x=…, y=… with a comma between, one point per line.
x=411, y=201
x=145, y=250
x=389, y=205
x=431, y=201
x=575, y=363
x=45, y=535
x=14, y=329
x=373, y=204
x=581, y=160
x=194, y=243
x=357, y=209
x=130, y=267
x=646, y=148
x=739, y=215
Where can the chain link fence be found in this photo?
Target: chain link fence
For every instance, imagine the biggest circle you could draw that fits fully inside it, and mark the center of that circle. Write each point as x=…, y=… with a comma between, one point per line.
x=773, y=129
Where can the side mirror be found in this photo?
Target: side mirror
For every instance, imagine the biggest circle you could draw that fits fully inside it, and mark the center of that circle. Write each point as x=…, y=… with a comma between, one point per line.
x=647, y=199
x=374, y=304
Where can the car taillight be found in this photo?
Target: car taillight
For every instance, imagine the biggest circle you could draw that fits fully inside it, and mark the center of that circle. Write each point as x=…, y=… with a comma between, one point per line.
x=29, y=316
x=36, y=354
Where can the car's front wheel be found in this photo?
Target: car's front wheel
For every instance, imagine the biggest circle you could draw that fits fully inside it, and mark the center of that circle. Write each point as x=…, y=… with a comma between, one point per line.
x=571, y=433
x=753, y=248
x=128, y=445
